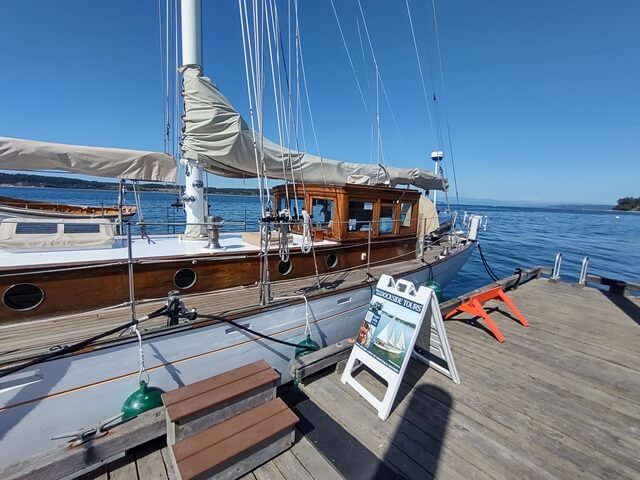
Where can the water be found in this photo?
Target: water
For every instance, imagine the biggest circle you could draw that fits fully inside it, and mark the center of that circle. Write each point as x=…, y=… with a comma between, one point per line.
x=515, y=237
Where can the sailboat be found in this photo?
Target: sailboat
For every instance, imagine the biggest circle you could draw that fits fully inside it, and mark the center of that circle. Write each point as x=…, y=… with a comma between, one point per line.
x=11, y=207
x=307, y=272
x=391, y=338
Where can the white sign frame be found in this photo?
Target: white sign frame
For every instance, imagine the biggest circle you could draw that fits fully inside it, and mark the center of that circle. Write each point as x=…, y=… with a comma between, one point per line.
x=395, y=298
x=438, y=344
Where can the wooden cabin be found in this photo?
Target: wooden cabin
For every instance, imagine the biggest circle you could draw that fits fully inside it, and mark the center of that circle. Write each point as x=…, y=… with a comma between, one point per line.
x=353, y=212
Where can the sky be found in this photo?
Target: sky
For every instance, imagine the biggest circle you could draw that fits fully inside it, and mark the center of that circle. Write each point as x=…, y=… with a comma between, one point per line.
x=541, y=97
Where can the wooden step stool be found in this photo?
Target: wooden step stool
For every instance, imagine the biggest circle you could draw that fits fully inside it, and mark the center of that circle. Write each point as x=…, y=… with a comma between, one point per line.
x=201, y=405
x=238, y=445
x=225, y=426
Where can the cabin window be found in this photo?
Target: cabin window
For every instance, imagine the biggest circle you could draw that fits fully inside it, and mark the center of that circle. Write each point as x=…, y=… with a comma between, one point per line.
x=405, y=215
x=296, y=205
x=27, y=228
x=385, y=225
x=284, y=268
x=23, y=296
x=322, y=210
x=360, y=215
x=185, y=278
x=332, y=260
x=81, y=228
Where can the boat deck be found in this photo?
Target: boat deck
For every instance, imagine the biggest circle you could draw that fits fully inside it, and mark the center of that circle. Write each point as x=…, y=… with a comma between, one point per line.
x=19, y=341
x=156, y=246
x=560, y=399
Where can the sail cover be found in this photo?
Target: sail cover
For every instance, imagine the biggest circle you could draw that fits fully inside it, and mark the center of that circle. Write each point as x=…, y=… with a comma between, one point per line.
x=31, y=155
x=216, y=135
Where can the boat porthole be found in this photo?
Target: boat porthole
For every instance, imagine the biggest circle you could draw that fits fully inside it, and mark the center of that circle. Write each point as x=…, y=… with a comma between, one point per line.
x=185, y=278
x=332, y=260
x=284, y=268
x=23, y=297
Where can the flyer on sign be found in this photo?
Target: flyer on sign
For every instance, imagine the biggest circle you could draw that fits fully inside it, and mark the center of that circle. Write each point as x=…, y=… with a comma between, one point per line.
x=388, y=328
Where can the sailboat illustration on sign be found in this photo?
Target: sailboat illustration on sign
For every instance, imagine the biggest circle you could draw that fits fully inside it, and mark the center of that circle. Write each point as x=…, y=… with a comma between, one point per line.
x=391, y=338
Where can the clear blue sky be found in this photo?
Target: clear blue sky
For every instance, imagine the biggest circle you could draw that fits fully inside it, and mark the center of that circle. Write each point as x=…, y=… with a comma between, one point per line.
x=542, y=96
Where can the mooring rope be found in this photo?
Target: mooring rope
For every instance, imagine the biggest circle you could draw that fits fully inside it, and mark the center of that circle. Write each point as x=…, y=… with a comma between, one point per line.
x=490, y=272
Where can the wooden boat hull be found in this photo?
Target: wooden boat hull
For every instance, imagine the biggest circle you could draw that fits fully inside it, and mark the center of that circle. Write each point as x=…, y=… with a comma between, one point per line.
x=89, y=285
x=82, y=389
x=15, y=207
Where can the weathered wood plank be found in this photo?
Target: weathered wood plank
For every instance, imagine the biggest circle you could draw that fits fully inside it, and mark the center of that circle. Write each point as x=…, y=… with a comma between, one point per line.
x=62, y=462
x=168, y=464
x=123, y=469
x=150, y=463
x=268, y=471
x=318, y=466
x=290, y=467
x=357, y=417
x=544, y=445
x=314, y=362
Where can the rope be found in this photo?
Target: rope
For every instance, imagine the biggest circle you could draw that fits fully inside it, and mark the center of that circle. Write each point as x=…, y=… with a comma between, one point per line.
x=424, y=88
x=353, y=69
x=453, y=165
x=80, y=345
x=307, y=240
x=256, y=333
x=143, y=369
x=490, y=272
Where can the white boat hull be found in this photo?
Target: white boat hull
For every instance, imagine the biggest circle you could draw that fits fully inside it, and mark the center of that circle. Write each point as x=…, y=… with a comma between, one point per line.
x=78, y=391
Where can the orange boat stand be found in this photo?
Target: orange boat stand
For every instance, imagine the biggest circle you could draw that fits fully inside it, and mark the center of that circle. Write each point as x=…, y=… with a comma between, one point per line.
x=474, y=307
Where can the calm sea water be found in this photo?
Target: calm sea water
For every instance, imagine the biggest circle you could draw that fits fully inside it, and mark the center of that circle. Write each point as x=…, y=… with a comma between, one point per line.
x=515, y=236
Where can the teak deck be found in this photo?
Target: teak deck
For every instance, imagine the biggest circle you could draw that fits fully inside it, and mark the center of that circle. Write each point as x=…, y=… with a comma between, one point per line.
x=560, y=399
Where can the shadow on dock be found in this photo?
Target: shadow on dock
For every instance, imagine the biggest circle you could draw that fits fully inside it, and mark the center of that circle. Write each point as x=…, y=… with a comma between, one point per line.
x=407, y=445
x=627, y=305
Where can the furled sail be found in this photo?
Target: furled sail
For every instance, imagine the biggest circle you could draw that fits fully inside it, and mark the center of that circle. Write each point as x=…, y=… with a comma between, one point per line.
x=216, y=134
x=31, y=155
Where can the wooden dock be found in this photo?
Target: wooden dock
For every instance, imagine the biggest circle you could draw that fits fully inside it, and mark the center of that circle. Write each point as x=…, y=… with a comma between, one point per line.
x=560, y=399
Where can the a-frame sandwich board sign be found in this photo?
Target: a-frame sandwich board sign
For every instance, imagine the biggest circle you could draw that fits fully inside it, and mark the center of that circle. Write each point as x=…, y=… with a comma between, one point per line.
x=386, y=337
x=432, y=345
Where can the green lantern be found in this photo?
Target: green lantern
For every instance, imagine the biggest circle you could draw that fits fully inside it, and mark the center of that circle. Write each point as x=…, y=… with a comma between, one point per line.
x=435, y=286
x=306, y=346
x=143, y=399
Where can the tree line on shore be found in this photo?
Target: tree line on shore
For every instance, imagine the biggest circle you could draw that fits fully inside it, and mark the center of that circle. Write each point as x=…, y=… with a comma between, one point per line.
x=628, y=204
x=42, y=181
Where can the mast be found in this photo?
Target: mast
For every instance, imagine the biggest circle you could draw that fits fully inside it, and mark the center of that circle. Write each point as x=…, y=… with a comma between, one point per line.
x=437, y=157
x=193, y=198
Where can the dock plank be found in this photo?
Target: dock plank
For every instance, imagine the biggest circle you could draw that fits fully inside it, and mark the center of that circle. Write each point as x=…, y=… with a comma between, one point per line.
x=291, y=467
x=124, y=469
x=150, y=464
x=268, y=471
x=318, y=466
x=559, y=400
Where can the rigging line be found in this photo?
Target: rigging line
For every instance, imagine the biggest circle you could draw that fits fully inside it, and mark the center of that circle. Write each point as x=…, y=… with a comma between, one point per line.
x=289, y=110
x=353, y=69
x=276, y=96
x=375, y=61
x=164, y=83
x=297, y=116
x=444, y=94
x=306, y=90
x=248, y=59
x=424, y=88
x=263, y=22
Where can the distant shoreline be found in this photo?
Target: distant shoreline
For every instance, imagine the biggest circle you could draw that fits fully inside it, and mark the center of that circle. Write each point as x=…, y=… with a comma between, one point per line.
x=21, y=180
x=146, y=190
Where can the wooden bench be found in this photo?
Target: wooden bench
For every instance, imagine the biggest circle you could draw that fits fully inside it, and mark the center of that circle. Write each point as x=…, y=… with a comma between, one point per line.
x=238, y=445
x=201, y=405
